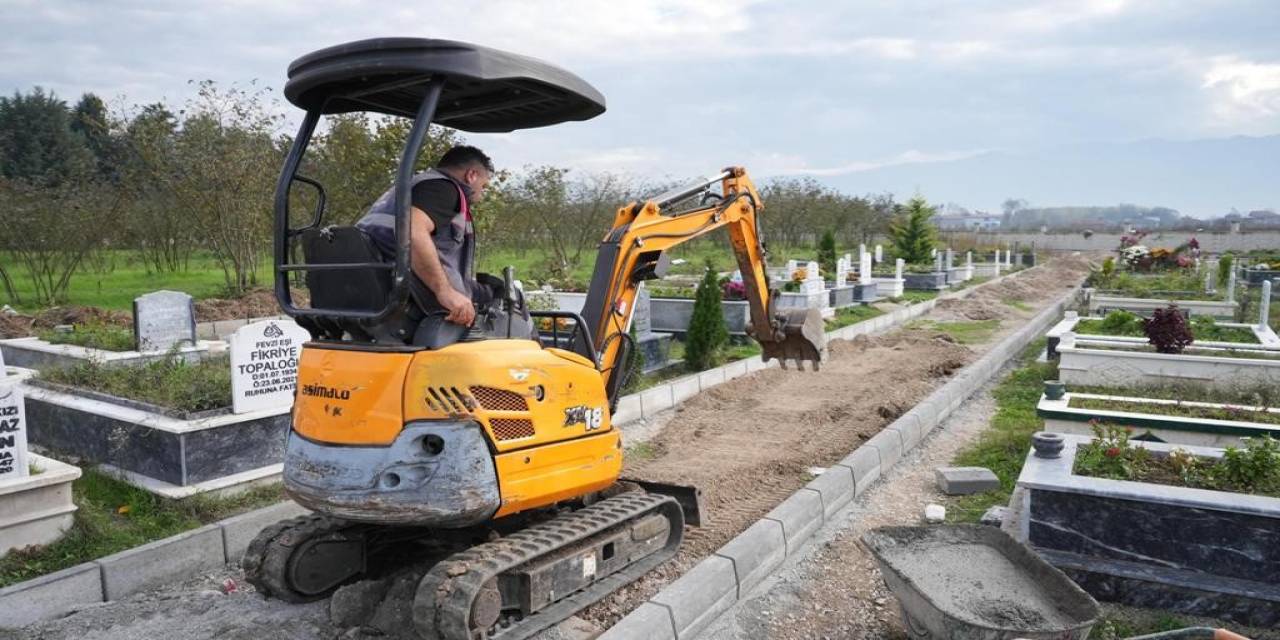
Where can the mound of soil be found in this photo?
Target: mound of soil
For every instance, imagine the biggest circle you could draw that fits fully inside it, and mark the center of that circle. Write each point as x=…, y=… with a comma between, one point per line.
x=258, y=303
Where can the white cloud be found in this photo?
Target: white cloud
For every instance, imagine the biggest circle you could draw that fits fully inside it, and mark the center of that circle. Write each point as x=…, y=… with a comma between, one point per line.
x=1243, y=92
x=912, y=156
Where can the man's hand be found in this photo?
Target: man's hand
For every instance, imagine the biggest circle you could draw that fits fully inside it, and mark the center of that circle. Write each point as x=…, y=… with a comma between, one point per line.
x=461, y=311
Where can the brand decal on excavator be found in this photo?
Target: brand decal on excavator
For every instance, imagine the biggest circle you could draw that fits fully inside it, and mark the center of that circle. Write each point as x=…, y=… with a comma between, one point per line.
x=585, y=415
x=321, y=391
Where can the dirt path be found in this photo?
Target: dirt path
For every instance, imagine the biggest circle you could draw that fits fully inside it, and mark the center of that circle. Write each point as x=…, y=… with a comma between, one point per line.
x=748, y=444
x=833, y=589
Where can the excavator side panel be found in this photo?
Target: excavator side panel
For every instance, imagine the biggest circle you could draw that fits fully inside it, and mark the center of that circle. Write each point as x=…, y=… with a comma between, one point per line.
x=551, y=473
x=350, y=397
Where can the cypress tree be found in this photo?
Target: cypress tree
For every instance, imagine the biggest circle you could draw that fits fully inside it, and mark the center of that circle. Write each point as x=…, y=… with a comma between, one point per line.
x=913, y=233
x=827, y=253
x=707, y=332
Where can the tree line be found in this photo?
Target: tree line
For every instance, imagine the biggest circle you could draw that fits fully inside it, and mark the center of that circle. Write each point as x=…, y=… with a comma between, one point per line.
x=81, y=185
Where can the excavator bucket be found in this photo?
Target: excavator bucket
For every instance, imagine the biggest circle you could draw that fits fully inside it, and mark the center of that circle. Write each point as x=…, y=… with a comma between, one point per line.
x=803, y=339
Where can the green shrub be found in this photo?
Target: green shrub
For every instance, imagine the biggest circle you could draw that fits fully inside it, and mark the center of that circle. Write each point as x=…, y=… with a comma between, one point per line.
x=94, y=336
x=707, y=331
x=827, y=253
x=1122, y=323
x=168, y=382
x=1167, y=330
x=1224, y=269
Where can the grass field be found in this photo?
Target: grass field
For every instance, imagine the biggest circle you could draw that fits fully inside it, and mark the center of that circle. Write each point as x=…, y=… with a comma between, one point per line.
x=129, y=279
x=125, y=277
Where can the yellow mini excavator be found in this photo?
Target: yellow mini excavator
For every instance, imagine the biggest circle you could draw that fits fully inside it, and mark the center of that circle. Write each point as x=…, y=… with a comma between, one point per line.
x=493, y=456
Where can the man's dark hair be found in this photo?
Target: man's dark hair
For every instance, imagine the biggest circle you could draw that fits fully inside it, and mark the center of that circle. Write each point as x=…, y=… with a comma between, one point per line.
x=463, y=156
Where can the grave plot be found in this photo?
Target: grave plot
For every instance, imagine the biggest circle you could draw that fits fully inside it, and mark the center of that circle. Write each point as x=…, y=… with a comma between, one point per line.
x=164, y=326
x=35, y=491
x=176, y=427
x=1134, y=522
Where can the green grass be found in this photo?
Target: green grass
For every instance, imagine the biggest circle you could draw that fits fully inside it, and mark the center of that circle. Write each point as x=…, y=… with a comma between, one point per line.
x=852, y=315
x=1004, y=444
x=114, y=516
x=912, y=296
x=1180, y=410
x=1017, y=304
x=641, y=451
x=1204, y=329
x=168, y=382
x=94, y=336
x=128, y=280
x=971, y=282
x=962, y=331
x=1119, y=627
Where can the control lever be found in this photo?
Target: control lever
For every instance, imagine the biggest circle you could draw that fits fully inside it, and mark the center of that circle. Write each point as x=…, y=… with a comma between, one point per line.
x=509, y=287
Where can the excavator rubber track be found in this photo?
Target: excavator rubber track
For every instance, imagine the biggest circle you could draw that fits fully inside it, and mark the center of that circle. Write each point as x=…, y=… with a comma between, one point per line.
x=271, y=560
x=466, y=596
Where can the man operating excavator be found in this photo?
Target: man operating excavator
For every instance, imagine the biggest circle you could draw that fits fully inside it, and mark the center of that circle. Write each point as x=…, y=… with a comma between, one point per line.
x=442, y=237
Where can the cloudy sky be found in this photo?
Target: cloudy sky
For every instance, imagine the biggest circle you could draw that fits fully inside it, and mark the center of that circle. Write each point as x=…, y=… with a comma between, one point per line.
x=823, y=88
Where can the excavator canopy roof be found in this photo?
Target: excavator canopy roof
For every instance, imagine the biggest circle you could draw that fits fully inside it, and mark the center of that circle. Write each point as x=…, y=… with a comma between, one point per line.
x=485, y=90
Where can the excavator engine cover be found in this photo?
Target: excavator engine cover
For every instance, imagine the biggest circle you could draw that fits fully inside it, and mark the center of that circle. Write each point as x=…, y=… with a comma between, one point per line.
x=803, y=338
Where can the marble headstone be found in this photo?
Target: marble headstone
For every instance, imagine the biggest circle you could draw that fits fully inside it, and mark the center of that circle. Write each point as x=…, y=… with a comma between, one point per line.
x=968, y=258
x=13, y=433
x=641, y=318
x=898, y=265
x=864, y=268
x=1264, y=305
x=163, y=319
x=264, y=364
x=951, y=258
x=843, y=266
x=879, y=254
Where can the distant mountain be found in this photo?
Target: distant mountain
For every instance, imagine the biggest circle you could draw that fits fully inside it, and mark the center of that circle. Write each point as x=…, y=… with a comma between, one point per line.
x=1200, y=178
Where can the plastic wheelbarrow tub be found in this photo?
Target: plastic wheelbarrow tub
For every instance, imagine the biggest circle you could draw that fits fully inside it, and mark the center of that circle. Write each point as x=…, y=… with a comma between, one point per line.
x=972, y=582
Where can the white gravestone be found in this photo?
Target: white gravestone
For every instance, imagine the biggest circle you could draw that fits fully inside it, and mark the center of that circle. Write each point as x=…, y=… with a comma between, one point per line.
x=864, y=268
x=264, y=364
x=842, y=270
x=879, y=254
x=1209, y=281
x=934, y=254
x=163, y=319
x=1264, y=305
x=997, y=262
x=1231, y=287
x=737, y=276
x=862, y=248
x=968, y=258
x=13, y=433
x=937, y=261
x=951, y=259
x=812, y=279
x=897, y=268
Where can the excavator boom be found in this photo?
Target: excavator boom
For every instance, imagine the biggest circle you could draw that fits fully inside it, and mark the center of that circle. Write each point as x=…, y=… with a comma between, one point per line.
x=634, y=251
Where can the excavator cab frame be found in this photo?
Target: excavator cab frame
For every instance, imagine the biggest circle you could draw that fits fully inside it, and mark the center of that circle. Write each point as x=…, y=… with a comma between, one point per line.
x=455, y=84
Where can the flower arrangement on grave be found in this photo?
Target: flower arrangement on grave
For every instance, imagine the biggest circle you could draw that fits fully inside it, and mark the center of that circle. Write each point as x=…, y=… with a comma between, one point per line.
x=733, y=290
x=799, y=275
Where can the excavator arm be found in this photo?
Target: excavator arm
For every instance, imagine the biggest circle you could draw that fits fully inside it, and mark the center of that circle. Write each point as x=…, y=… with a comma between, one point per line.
x=634, y=251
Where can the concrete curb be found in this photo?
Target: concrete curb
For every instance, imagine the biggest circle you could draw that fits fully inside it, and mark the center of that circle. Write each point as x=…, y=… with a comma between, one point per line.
x=694, y=600
x=665, y=396
x=137, y=569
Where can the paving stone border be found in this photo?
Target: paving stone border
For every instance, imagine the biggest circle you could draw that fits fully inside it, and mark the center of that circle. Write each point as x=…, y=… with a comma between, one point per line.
x=684, y=608
x=679, y=611
x=131, y=571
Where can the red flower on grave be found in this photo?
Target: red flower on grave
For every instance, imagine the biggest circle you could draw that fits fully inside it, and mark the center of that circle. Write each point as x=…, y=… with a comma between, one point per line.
x=1113, y=452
